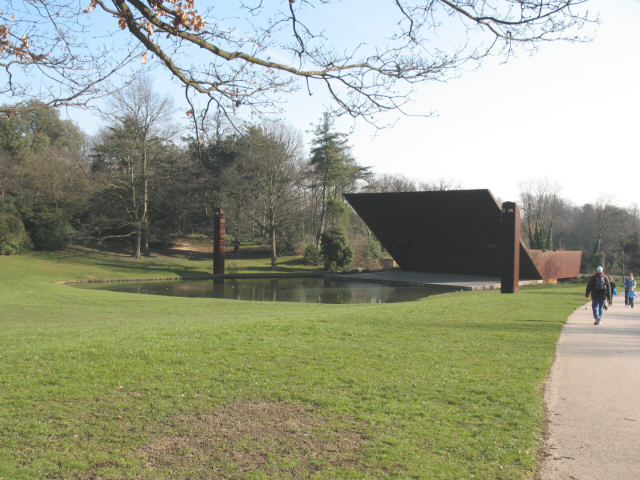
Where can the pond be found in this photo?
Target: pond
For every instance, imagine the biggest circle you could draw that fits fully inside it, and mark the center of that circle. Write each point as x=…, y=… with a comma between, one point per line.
x=291, y=289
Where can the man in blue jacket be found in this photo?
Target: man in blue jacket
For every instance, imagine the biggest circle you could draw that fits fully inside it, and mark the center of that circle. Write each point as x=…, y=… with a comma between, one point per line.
x=599, y=288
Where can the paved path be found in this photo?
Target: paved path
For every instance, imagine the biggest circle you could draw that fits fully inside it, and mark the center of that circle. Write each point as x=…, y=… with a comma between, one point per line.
x=593, y=398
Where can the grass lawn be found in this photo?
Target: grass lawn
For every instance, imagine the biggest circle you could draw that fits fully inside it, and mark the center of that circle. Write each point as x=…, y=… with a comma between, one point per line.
x=103, y=385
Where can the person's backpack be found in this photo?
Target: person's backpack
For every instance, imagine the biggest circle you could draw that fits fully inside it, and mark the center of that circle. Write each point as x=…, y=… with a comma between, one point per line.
x=599, y=284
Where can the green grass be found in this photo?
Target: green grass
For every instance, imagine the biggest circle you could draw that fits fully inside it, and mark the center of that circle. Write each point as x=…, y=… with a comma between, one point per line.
x=106, y=385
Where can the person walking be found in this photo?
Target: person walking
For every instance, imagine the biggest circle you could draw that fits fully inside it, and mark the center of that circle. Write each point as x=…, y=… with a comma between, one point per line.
x=614, y=290
x=599, y=288
x=629, y=284
x=631, y=297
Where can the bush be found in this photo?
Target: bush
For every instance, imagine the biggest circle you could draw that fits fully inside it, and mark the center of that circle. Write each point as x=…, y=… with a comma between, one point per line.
x=372, y=249
x=312, y=255
x=366, y=252
x=286, y=245
x=338, y=212
x=336, y=251
x=49, y=230
x=13, y=236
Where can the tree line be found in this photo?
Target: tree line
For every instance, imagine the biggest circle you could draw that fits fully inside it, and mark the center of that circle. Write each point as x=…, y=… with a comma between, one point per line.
x=137, y=183
x=607, y=234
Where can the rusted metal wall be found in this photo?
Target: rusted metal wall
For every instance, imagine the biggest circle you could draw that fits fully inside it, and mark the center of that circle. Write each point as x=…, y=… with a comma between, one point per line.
x=555, y=264
x=456, y=231
x=446, y=232
x=219, y=236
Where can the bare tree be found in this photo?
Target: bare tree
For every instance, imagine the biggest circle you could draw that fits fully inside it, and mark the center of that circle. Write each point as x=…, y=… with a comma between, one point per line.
x=611, y=226
x=400, y=183
x=52, y=55
x=248, y=54
x=138, y=118
x=268, y=165
x=238, y=67
x=539, y=202
x=440, y=185
x=149, y=115
x=391, y=183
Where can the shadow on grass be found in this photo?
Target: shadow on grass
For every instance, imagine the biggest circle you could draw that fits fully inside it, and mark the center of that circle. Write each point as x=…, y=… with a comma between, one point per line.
x=293, y=261
x=181, y=271
x=186, y=254
x=278, y=269
x=249, y=254
x=158, y=265
x=548, y=291
x=517, y=325
x=173, y=262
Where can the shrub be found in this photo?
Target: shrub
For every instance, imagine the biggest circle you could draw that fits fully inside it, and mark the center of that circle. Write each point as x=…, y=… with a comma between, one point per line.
x=366, y=252
x=312, y=255
x=372, y=249
x=336, y=251
x=49, y=230
x=286, y=245
x=13, y=236
x=338, y=212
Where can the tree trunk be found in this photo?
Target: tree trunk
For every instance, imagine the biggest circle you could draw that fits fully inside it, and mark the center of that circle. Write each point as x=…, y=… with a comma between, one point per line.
x=323, y=210
x=145, y=238
x=274, y=257
x=138, y=249
x=137, y=253
x=145, y=198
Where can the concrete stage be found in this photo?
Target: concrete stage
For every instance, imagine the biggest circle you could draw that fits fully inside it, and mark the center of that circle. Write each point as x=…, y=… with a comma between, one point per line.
x=441, y=280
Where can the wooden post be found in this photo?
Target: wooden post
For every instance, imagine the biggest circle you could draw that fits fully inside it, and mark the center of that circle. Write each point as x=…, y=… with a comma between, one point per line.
x=218, y=241
x=510, y=248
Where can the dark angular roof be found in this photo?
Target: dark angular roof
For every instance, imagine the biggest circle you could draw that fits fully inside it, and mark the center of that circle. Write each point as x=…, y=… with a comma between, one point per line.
x=455, y=231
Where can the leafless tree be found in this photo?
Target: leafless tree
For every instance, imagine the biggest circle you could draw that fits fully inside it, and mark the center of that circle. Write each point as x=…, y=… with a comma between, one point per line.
x=238, y=66
x=539, y=202
x=400, y=183
x=138, y=118
x=391, y=183
x=148, y=114
x=610, y=225
x=440, y=185
x=268, y=167
x=249, y=54
x=52, y=54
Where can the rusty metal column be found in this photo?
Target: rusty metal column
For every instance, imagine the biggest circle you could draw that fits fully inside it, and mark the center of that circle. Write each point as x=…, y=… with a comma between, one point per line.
x=510, y=248
x=218, y=241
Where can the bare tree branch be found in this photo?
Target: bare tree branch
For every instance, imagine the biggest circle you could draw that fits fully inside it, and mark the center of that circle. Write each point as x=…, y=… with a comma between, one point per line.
x=246, y=56
x=51, y=56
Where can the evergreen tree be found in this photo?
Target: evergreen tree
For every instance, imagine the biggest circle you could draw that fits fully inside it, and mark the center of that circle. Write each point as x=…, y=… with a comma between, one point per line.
x=335, y=171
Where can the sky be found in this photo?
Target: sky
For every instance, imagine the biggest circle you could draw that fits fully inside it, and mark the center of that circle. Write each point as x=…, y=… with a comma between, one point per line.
x=567, y=114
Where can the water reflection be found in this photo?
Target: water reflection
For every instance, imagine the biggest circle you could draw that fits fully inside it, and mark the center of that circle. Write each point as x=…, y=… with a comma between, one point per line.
x=305, y=290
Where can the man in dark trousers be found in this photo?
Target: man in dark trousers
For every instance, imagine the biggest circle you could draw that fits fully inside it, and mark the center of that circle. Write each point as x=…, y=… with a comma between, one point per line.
x=600, y=289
